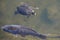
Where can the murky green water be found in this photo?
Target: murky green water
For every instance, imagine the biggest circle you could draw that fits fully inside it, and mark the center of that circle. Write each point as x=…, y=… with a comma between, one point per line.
x=47, y=19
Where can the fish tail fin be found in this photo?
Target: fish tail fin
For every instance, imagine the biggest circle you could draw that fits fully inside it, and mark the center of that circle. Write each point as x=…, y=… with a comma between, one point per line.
x=41, y=36
x=53, y=37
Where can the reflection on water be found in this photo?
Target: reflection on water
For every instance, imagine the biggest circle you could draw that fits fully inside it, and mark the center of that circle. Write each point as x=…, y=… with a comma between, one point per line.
x=44, y=16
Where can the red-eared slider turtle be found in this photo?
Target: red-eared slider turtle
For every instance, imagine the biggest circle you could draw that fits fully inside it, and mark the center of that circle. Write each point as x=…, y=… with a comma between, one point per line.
x=25, y=9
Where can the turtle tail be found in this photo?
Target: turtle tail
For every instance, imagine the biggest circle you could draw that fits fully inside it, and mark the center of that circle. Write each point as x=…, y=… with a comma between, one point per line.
x=16, y=12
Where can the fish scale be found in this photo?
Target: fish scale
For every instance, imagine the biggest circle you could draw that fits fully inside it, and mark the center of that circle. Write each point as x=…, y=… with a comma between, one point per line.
x=22, y=30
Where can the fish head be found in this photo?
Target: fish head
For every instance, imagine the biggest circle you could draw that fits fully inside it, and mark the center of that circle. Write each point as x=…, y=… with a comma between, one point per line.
x=10, y=29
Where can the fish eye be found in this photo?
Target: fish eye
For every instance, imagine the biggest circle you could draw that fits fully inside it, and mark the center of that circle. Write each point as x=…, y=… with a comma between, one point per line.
x=12, y=28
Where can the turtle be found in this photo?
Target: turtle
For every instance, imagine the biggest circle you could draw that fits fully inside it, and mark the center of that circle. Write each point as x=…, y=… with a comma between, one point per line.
x=25, y=10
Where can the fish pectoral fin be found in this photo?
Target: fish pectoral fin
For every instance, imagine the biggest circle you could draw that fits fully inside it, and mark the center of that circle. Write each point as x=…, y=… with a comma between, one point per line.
x=15, y=35
x=23, y=35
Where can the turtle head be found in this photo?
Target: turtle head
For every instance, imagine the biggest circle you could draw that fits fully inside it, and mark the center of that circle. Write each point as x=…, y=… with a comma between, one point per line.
x=33, y=12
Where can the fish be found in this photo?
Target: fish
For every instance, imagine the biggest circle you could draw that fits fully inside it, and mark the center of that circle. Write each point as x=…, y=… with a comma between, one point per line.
x=25, y=31
x=22, y=31
x=25, y=10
